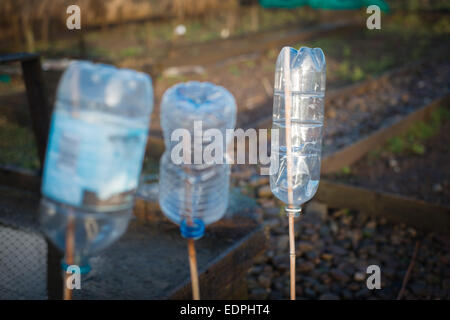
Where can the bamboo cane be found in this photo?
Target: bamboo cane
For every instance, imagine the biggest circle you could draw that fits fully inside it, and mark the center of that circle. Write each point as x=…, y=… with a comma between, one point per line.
x=191, y=244
x=287, y=108
x=193, y=268
x=70, y=247
x=70, y=231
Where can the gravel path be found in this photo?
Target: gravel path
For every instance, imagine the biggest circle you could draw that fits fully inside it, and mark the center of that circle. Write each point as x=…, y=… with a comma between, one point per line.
x=335, y=247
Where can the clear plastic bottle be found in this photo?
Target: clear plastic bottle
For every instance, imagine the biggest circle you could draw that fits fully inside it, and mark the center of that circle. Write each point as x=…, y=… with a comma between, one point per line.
x=307, y=74
x=94, y=156
x=196, y=194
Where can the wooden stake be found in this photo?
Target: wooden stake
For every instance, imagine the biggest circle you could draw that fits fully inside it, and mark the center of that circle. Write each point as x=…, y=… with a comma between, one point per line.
x=292, y=254
x=191, y=245
x=69, y=256
x=70, y=231
x=193, y=267
x=287, y=115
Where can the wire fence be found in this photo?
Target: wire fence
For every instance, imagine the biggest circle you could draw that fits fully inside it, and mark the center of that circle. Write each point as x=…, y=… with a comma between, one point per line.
x=23, y=256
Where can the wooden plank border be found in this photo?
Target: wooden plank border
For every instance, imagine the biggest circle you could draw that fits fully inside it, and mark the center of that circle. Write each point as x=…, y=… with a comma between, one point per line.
x=398, y=209
x=16, y=177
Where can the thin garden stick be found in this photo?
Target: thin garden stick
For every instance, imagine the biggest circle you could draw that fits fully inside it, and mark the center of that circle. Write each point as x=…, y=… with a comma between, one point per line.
x=70, y=232
x=70, y=247
x=191, y=245
x=408, y=271
x=287, y=108
x=193, y=268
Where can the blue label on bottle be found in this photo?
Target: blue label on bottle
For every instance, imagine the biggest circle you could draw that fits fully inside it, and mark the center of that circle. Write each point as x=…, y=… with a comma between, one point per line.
x=93, y=161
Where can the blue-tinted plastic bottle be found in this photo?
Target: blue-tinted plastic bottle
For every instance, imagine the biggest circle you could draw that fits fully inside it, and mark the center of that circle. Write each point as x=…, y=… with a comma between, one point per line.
x=94, y=156
x=194, y=194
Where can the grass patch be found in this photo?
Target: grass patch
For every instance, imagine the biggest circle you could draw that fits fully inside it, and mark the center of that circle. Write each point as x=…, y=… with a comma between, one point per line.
x=350, y=69
x=365, y=53
x=413, y=141
x=350, y=73
x=17, y=146
x=346, y=170
x=131, y=52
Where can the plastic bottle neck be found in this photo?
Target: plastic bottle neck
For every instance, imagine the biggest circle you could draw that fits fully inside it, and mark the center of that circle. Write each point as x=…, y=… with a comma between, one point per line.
x=192, y=228
x=294, y=211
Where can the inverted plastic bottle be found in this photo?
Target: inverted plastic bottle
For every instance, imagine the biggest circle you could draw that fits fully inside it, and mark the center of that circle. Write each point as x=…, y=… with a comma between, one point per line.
x=94, y=156
x=306, y=71
x=194, y=193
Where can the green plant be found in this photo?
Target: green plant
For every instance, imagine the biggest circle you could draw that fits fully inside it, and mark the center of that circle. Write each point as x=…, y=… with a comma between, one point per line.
x=442, y=26
x=346, y=51
x=17, y=146
x=440, y=116
x=344, y=69
x=418, y=148
x=358, y=74
x=346, y=170
x=130, y=52
x=396, y=145
x=413, y=140
x=421, y=131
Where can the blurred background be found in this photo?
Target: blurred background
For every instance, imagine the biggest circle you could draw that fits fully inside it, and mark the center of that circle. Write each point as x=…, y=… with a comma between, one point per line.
x=385, y=197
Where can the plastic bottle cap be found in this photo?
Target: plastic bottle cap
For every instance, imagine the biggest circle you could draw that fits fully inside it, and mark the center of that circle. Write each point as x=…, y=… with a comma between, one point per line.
x=194, y=230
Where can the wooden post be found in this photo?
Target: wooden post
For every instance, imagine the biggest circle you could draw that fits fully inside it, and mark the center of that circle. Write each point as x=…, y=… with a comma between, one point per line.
x=37, y=103
x=69, y=256
x=54, y=279
x=191, y=245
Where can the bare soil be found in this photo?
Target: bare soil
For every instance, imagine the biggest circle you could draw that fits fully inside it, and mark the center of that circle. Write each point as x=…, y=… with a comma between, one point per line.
x=425, y=177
